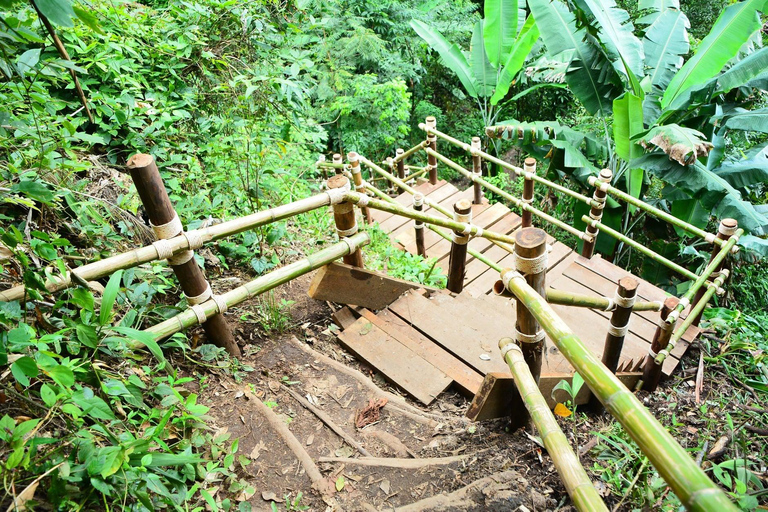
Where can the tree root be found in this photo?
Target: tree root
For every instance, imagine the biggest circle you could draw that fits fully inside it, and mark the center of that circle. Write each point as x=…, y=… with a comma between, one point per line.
x=390, y=462
x=459, y=498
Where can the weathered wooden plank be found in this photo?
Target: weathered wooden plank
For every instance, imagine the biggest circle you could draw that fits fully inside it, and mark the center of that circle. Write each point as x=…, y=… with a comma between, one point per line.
x=495, y=398
x=467, y=380
x=343, y=318
x=395, y=361
x=405, y=199
x=345, y=284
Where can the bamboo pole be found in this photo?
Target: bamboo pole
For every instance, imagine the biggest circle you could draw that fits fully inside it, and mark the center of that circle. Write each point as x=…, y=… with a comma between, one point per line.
x=674, y=464
x=432, y=144
x=408, y=152
x=596, y=213
x=323, y=169
x=338, y=162
x=577, y=482
x=418, y=226
x=411, y=175
x=344, y=217
x=607, y=187
x=517, y=202
x=477, y=170
x=640, y=248
x=651, y=370
x=332, y=165
x=726, y=229
x=166, y=224
x=517, y=170
x=400, y=165
x=261, y=284
x=530, y=169
x=696, y=311
x=149, y=253
x=458, y=257
x=590, y=301
x=357, y=177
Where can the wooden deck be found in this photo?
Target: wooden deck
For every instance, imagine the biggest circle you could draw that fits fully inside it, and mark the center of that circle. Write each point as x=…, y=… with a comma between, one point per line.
x=459, y=334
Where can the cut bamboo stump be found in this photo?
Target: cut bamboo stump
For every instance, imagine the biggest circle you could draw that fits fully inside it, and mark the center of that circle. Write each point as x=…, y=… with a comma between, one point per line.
x=431, y=122
x=595, y=213
x=165, y=222
x=344, y=217
x=458, y=259
x=354, y=161
x=477, y=170
x=418, y=226
x=530, y=166
x=725, y=231
x=651, y=370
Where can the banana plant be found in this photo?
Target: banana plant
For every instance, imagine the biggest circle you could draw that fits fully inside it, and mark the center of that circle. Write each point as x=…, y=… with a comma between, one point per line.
x=499, y=48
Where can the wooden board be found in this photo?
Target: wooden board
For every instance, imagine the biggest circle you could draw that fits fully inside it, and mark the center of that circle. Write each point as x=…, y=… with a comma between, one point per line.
x=343, y=318
x=395, y=361
x=496, y=396
x=406, y=199
x=345, y=284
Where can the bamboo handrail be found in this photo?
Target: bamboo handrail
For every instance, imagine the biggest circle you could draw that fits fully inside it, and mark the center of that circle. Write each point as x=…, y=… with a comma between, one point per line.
x=519, y=203
x=672, y=461
x=261, y=284
x=177, y=244
x=408, y=152
x=575, y=479
x=640, y=248
x=712, y=289
x=581, y=300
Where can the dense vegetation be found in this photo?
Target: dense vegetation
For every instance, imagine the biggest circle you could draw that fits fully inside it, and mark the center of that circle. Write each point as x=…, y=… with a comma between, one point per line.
x=236, y=99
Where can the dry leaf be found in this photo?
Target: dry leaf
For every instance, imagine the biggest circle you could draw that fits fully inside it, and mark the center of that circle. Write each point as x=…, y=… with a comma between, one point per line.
x=385, y=486
x=310, y=439
x=257, y=450
x=562, y=411
x=268, y=496
x=20, y=503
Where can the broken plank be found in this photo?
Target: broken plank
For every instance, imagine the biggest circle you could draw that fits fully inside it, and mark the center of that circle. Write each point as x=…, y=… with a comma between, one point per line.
x=395, y=361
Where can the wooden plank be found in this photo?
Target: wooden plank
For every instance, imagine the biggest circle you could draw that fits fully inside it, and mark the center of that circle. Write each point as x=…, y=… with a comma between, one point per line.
x=343, y=318
x=345, y=284
x=467, y=380
x=496, y=394
x=394, y=222
x=395, y=361
x=406, y=199
x=461, y=335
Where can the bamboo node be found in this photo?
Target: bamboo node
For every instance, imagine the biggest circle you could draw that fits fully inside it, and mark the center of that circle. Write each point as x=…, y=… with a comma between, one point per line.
x=199, y=299
x=169, y=229
x=221, y=304
x=199, y=312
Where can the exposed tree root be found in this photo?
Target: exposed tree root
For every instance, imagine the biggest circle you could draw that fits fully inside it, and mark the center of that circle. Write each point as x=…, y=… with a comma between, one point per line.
x=459, y=498
x=390, y=462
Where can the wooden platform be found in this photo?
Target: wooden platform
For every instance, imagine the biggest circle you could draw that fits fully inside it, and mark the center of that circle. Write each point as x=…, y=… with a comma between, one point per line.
x=458, y=334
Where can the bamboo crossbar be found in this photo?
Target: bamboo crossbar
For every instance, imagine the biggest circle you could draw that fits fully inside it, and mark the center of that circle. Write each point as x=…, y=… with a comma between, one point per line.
x=575, y=479
x=685, y=477
x=712, y=289
x=261, y=284
x=517, y=170
x=177, y=244
x=332, y=165
x=409, y=152
x=416, y=174
x=519, y=203
x=564, y=298
x=640, y=248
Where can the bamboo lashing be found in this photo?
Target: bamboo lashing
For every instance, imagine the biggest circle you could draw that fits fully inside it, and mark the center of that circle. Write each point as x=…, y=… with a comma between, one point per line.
x=338, y=162
x=651, y=370
x=596, y=213
x=576, y=481
x=431, y=122
x=688, y=481
x=477, y=170
x=595, y=302
x=530, y=170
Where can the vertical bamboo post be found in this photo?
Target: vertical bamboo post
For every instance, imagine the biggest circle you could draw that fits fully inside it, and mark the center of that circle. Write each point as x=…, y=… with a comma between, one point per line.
x=418, y=226
x=337, y=160
x=529, y=167
x=725, y=231
x=323, y=170
x=400, y=165
x=346, y=222
x=651, y=370
x=596, y=213
x=477, y=169
x=431, y=122
x=462, y=212
x=166, y=224
x=357, y=176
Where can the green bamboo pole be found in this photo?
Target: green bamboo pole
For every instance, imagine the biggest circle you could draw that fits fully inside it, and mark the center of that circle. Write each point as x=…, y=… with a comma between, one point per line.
x=517, y=170
x=575, y=479
x=408, y=152
x=607, y=187
x=581, y=300
x=178, y=244
x=640, y=248
x=332, y=165
x=519, y=203
x=712, y=289
x=684, y=476
x=261, y=284
x=416, y=174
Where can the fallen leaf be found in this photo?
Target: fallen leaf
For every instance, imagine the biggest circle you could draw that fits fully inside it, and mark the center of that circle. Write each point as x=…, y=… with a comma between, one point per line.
x=366, y=328
x=340, y=483
x=274, y=386
x=257, y=450
x=310, y=439
x=385, y=486
x=719, y=448
x=20, y=503
x=268, y=496
x=562, y=411
x=345, y=451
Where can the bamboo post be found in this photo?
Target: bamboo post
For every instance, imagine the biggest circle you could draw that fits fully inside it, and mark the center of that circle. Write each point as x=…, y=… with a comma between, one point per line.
x=530, y=169
x=354, y=160
x=323, y=169
x=477, y=169
x=337, y=161
x=431, y=122
x=725, y=231
x=462, y=213
x=344, y=216
x=651, y=370
x=166, y=224
x=576, y=481
x=418, y=226
x=596, y=213
x=400, y=165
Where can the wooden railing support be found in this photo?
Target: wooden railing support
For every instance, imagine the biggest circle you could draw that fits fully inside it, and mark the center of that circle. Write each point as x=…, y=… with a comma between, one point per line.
x=400, y=166
x=651, y=370
x=166, y=224
x=344, y=217
x=531, y=262
x=725, y=231
x=477, y=169
x=354, y=161
x=431, y=122
x=418, y=226
x=596, y=213
x=338, y=160
x=458, y=259
x=530, y=167
x=323, y=170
